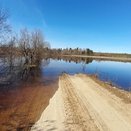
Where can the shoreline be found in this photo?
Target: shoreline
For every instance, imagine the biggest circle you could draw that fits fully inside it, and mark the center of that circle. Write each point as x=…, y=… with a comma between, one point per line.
x=119, y=59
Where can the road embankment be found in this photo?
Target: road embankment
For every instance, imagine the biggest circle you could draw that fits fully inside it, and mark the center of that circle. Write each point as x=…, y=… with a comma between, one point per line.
x=83, y=104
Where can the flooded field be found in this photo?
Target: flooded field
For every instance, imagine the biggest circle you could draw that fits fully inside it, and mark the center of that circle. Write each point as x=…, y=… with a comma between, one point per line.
x=21, y=105
x=22, y=102
x=117, y=73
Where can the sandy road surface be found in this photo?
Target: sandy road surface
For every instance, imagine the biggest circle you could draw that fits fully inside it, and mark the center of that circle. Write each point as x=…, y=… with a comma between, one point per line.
x=80, y=104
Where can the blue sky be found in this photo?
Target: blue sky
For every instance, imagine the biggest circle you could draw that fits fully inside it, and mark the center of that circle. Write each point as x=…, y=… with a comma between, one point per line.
x=101, y=25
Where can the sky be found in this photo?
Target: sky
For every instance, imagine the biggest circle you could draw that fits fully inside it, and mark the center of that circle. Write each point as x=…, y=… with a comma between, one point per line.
x=101, y=25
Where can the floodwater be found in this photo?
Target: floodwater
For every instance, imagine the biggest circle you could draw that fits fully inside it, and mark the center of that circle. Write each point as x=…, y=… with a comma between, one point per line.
x=21, y=104
x=117, y=73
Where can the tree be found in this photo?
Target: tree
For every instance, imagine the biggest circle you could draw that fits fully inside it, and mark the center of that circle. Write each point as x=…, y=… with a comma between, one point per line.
x=38, y=44
x=31, y=46
x=5, y=28
x=5, y=45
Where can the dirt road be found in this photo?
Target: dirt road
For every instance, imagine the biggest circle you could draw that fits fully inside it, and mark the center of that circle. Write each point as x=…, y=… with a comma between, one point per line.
x=81, y=104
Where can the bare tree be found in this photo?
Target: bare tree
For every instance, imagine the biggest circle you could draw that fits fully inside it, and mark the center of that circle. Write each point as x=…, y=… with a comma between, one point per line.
x=31, y=47
x=5, y=28
x=24, y=44
x=37, y=47
x=11, y=53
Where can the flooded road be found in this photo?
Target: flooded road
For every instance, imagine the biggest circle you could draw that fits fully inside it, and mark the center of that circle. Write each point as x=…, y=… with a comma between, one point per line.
x=82, y=104
x=21, y=105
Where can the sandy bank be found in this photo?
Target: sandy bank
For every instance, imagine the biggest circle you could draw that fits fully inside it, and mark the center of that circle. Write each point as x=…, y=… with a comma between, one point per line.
x=82, y=104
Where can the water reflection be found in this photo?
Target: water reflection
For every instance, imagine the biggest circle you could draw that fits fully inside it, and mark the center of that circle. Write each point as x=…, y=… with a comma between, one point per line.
x=15, y=74
x=22, y=103
x=74, y=59
x=117, y=73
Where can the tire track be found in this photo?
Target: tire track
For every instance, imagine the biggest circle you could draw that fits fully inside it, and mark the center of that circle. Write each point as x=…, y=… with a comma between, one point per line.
x=77, y=115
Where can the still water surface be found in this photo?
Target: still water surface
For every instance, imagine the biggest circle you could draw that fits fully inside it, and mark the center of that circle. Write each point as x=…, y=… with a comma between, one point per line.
x=119, y=73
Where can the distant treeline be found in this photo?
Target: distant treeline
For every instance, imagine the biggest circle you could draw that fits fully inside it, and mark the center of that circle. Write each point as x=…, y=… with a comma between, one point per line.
x=54, y=52
x=70, y=51
x=86, y=52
